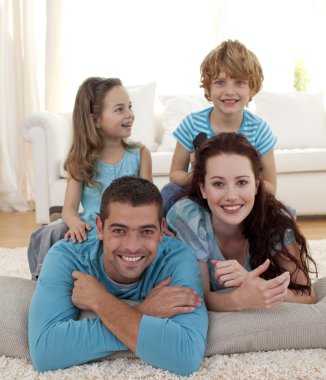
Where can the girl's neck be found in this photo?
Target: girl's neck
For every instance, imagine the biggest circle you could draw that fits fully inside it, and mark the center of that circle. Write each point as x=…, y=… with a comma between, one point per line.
x=112, y=151
x=225, y=123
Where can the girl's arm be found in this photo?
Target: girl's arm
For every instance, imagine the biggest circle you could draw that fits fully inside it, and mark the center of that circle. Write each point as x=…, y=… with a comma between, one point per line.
x=297, y=277
x=269, y=171
x=145, y=170
x=179, y=167
x=70, y=214
x=254, y=292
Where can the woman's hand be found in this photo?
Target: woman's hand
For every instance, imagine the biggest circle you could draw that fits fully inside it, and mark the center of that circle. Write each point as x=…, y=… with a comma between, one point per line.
x=257, y=293
x=229, y=273
x=77, y=231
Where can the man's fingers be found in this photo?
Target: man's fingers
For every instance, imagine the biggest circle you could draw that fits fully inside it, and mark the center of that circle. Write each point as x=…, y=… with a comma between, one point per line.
x=163, y=283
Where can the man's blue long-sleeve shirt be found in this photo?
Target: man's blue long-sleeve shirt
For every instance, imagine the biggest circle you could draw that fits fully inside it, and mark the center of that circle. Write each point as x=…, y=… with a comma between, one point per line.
x=57, y=339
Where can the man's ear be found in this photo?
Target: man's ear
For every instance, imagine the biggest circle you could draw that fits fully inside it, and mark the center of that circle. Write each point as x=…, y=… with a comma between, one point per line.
x=99, y=226
x=163, y=225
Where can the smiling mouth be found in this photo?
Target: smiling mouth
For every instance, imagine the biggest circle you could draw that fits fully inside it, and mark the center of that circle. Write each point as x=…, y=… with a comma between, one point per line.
x=126, y=125
x=229, y=101
x=232, y=209
x=131, y=259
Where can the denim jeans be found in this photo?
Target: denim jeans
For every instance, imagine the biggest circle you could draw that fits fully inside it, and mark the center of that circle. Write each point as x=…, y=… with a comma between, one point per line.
x=40, y=243
x=169, y=194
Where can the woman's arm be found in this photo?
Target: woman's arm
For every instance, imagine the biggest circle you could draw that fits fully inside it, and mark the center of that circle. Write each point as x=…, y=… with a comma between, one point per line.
x=145, y=170
x=297, y=277
x=269, y=171
x=179, y=167
x=253, y=293
x=70, y=214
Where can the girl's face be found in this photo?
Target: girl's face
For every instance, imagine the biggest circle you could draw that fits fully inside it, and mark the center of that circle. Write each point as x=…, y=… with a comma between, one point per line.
x=229, y=96
x=230, y=188
x=117, y=115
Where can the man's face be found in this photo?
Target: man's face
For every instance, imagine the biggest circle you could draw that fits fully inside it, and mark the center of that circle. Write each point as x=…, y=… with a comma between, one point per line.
x=130, y=240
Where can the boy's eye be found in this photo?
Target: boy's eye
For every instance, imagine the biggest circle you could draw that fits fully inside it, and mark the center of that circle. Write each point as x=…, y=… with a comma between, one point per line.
x=219, y=82
x=241, y=82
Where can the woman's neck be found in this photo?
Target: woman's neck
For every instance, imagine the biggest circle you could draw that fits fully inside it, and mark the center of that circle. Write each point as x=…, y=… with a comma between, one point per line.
x=231, y=241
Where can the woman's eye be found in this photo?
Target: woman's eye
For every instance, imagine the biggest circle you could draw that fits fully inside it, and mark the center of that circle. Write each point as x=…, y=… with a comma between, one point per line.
x=218, y=184
x=243, y=182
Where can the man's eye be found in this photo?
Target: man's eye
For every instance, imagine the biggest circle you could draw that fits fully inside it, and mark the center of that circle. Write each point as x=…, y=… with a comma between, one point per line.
x=147, y=232
x=118, y=231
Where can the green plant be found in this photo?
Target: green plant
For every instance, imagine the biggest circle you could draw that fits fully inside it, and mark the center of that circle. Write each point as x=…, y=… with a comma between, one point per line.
x=301, y=76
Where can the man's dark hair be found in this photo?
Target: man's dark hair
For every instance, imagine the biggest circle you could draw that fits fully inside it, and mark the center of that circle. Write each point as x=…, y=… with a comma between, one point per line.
x=133, y=190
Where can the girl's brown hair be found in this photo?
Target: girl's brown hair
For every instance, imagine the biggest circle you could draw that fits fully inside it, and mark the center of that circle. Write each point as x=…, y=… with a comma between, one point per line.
x=87, y=142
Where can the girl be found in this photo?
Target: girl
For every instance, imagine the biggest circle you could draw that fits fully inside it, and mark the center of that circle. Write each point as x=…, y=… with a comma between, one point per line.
x=239, y=231
x=100, y=153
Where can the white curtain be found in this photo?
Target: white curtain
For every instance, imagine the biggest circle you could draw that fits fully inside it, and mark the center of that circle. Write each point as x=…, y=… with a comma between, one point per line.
x=48, y=48
x=21, y=26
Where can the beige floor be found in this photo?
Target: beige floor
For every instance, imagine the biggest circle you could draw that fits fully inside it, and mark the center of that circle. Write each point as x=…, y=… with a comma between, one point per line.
x=16, y=228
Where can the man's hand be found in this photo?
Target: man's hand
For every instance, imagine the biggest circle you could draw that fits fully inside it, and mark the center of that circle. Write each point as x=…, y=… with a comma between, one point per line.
x=229, y=273
x=87, y=291
x=166, y=301
x=257, y=293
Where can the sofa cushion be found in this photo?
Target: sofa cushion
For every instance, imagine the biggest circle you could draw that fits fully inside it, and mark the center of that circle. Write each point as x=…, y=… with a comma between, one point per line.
x=289, y=325
x=300, y=160
x=174, y=110
x=142, y=98
x=298, y=119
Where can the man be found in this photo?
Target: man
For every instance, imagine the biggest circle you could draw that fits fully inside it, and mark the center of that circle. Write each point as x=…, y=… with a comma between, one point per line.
x=128, y=258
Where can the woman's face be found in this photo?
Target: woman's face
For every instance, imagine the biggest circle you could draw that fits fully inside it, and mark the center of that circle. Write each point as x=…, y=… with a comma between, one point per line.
x=230, y=188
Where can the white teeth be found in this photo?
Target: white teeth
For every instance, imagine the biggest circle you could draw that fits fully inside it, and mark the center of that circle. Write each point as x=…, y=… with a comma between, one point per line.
x=232, y=208
x=131, y=258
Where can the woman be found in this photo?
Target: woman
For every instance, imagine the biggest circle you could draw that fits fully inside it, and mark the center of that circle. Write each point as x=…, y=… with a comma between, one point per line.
x=245, y=240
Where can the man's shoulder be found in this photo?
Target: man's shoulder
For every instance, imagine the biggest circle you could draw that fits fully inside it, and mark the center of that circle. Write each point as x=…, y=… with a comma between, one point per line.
x=175, y=251
x=68, y=251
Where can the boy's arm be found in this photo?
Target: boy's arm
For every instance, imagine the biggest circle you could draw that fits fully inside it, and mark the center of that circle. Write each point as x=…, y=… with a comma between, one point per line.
x=179, y=167
x=269, y=171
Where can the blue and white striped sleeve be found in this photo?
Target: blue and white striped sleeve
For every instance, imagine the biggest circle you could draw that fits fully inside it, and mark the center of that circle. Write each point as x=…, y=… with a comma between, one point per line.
x=184, y=133
x=265, y=139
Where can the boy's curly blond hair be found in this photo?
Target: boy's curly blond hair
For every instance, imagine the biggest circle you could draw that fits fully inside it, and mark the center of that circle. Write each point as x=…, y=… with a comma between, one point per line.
x=237, y=61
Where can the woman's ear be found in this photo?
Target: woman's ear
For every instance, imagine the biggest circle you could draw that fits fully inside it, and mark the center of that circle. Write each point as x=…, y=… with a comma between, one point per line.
x=257, y=185
x=202, y=190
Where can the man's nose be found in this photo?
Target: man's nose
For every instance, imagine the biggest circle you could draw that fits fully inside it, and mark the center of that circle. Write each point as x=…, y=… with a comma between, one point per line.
x=132, y=242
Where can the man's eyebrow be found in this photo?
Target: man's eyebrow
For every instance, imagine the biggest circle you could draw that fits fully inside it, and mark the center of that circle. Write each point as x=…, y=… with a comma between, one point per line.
x=145, y=226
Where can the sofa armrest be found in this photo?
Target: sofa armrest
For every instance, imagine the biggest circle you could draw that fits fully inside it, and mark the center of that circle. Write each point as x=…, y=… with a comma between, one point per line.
x=50, y=135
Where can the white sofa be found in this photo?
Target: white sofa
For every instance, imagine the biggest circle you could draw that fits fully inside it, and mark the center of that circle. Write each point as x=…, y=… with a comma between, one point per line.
x=298, y=120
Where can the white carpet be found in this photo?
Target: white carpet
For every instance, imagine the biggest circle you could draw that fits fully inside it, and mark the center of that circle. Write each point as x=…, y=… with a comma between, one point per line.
x=283, y=364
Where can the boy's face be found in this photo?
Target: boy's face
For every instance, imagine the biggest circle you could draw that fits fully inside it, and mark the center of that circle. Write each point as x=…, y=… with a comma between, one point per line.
x=229, y=95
